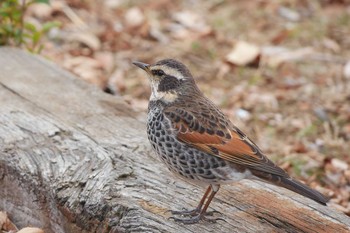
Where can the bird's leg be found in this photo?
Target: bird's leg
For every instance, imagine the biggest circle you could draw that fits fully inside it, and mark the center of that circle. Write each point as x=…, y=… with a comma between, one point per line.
x=195, y=211
x=203, y=212
x=210, y=198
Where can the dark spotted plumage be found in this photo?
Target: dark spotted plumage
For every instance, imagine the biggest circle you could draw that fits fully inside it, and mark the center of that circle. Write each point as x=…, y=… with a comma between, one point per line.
x=178, y=156
x=199, y=143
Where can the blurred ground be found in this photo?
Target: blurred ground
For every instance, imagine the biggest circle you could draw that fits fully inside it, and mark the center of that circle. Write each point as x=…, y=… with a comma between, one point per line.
x=280, y=69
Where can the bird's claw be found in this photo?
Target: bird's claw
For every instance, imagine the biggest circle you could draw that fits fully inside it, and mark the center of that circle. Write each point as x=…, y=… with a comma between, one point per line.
x=196, y=219
x=193, y=212
x=186, y=212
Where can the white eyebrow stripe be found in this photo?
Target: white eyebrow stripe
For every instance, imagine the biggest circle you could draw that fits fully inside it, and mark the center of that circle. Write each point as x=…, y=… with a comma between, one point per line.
x=169, y=71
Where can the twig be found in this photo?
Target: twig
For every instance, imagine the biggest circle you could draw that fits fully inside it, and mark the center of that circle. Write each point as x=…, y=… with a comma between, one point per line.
x=74, y=17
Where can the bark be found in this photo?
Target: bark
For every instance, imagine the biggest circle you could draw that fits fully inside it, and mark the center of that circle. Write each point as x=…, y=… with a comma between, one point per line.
x=74, y=159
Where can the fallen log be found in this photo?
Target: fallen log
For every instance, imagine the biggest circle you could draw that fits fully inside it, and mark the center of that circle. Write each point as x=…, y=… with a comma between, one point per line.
x=74, y=159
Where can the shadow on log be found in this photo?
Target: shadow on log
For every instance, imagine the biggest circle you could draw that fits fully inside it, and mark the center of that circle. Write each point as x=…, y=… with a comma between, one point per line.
x=74, y=159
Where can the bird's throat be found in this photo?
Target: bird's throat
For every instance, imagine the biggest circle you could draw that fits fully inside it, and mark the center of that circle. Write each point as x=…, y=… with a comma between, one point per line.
x=167, y=97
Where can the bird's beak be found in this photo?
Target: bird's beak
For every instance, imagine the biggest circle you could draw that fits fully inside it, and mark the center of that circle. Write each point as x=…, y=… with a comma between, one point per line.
x=142, y=65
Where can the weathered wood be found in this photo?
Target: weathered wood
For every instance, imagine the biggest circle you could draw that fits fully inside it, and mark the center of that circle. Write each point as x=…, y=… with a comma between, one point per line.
x=73, y=159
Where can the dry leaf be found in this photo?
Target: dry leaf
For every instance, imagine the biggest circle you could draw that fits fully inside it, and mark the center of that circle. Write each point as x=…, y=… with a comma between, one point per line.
x=134, y=17
x=106, y=59
x=299, y=147
x=331, y=45
x=31, y=230
x=41, y=11
x=346, y=70
x=280, y=36
x=5, y=223
x=268, y=100
x=274, y=56
x=3, y=219
x=87, y=38
x=339, y=164
x=86, y=68
x=191, y=20
x=116, y=81
x=224, y=69
x=243, y=114
x=113, y=4
x=243, y=53
x=289, y=14
x=156, y=33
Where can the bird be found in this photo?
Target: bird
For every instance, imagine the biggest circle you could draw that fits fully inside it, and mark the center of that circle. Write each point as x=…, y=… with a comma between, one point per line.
x=198, y=142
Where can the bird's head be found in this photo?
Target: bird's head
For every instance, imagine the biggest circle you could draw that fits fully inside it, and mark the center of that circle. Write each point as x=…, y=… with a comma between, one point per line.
x=169, y=79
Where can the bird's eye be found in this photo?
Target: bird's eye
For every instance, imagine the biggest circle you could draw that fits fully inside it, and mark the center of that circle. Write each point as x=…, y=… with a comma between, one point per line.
x=158, y=72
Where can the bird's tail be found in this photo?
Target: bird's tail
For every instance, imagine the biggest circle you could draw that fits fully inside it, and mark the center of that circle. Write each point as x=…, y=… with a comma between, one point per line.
x=293, y=185
x=302, y=189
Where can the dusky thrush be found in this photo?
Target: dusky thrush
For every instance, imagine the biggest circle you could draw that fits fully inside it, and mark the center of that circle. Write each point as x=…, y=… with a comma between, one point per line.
x=198, y=142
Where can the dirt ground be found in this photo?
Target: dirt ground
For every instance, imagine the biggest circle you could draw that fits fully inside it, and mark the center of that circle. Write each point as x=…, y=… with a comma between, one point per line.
x=280, y=69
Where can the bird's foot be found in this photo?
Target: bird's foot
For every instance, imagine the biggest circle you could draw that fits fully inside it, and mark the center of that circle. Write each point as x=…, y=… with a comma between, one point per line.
x=193, y=212
x=196, y=218
x=186, y=212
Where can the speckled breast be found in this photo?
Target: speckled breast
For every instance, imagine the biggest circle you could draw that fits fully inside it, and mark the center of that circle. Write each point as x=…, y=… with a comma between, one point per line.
x=179, y=157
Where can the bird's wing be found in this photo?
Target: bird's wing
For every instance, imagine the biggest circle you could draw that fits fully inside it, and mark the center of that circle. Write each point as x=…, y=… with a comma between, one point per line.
x=215, y=134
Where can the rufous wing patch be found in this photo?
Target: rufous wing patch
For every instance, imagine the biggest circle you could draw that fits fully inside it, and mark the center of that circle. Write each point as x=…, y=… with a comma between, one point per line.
x=223, y=140
x=227, y=148
x=193, y=137
x=237, y=146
